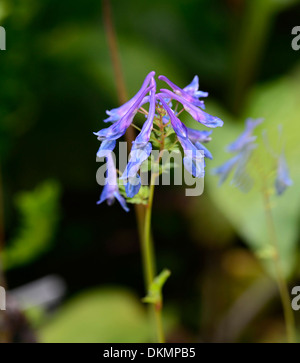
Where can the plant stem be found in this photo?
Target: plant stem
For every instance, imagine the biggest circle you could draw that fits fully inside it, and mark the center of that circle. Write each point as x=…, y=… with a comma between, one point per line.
x=149, y=264
x=282, y=283
x=143, y=215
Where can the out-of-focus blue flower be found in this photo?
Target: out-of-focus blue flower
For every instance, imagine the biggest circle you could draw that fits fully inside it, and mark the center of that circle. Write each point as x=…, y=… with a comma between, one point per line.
x=283, y=180
x=117, y=113
x=111, y=190
x=190, y=95
x=243, y=146
x=224, y=170
x=241, y=178
x=194, y=159
x=195, y=112
x=246, y=137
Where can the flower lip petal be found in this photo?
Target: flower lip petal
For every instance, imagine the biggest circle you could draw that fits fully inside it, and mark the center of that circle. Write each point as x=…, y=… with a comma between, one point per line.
x=195, y=112
x=193, y=89
x=181, y=92
x=110, y=191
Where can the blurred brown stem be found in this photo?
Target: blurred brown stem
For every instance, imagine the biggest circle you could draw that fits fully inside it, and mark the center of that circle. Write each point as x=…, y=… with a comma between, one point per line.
x=121, y=90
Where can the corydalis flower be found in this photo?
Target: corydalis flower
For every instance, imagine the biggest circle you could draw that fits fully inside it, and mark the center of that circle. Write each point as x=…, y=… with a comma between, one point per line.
x=197, y=114
x=193, y=160
x=283, y=180
x=243, y=146
x=160, y=110
x=117, y=113
x=111, y=190
x=198, y=137
x=189, y=93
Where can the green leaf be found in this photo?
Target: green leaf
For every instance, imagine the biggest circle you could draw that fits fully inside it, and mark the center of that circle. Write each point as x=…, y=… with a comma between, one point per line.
x=106, y=315
x=39, y=216
x=155, y=291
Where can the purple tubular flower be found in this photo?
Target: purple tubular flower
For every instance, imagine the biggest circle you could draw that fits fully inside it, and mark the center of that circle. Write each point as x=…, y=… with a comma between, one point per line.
x=195, y=112
x=133, y=186
x=188, y=96
x=111, y=191
x=246, y=137
x=194, y=160
x=197, y=137
x=241, y=179
x=224, y=170
x=141, y=148
x=193, y=89
x=119, y=128
x=117, y=113
x=106, y=148
x=283, y=180
x=144, y=136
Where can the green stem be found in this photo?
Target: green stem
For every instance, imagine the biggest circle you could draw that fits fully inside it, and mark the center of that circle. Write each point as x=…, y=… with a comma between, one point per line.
x=149, y=264
x=282, y=283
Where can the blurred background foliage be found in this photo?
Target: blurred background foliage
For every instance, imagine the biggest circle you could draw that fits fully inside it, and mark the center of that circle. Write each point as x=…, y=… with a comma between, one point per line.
x=56, y=83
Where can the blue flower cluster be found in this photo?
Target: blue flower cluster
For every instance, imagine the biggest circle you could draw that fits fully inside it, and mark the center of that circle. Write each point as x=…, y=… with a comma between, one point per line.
x=160, y=105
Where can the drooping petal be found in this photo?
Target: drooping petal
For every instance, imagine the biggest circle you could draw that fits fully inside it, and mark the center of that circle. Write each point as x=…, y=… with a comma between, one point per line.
x=137, y=157
x=199, y=135
x=117, y=113
x=122, y=201
x=283, y=180
x=207, y=153
x=107, y=146
x=194, y=164
x=246, y=137
x=111, y=190
x=179, y=91
x=195, y=112
x=133, y=186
